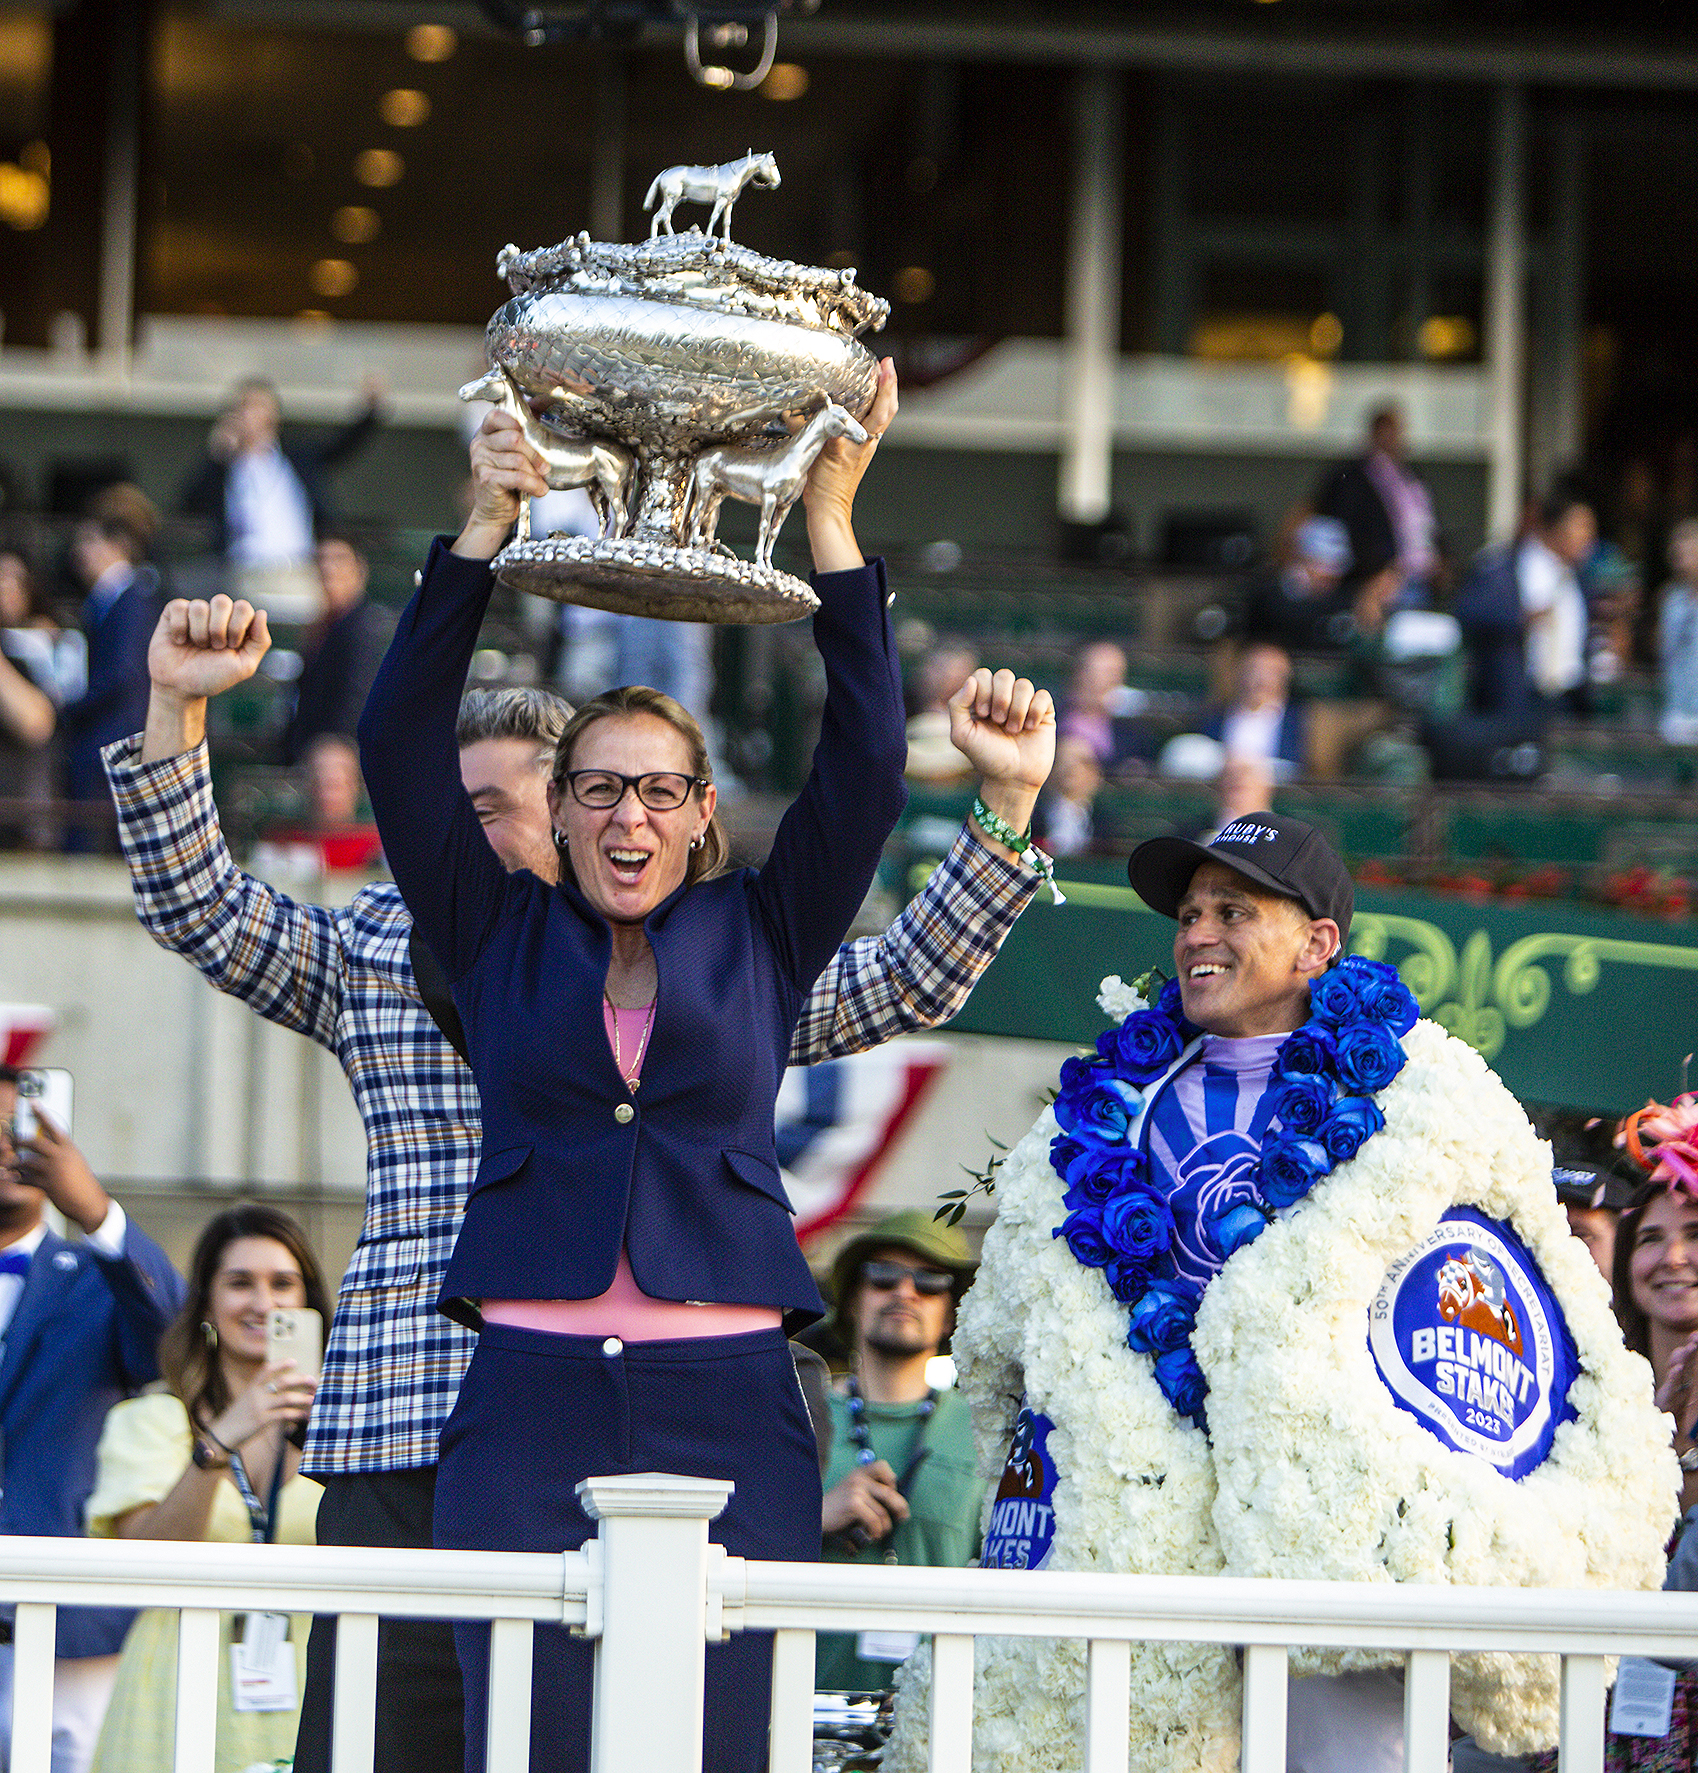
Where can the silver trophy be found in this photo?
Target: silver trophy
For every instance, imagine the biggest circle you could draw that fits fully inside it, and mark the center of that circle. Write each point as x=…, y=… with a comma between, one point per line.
x=664, y=378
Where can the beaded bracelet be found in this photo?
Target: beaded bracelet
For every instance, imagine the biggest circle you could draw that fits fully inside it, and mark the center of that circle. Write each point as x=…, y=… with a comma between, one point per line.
x=1022, y=846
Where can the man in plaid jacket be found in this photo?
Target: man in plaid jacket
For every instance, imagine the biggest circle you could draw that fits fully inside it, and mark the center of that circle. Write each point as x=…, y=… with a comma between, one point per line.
x=346, y=978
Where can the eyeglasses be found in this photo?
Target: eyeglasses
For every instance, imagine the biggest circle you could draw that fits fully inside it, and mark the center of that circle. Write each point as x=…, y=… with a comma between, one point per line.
x=887, y=1276
x=661, y=791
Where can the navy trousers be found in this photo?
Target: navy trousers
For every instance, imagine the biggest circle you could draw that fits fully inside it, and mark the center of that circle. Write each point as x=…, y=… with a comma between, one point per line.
x=537, y=1413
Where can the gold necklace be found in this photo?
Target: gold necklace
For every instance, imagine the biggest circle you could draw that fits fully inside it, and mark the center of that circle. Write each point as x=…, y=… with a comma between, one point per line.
x=634, y=1078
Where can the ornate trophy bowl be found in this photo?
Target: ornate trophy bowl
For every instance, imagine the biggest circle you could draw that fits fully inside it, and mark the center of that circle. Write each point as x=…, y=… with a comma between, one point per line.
x=661, y=377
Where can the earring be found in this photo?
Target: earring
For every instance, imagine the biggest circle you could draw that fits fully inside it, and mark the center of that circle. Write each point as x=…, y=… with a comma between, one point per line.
x=697, y=842
x=560, y=840
x=209, y=1333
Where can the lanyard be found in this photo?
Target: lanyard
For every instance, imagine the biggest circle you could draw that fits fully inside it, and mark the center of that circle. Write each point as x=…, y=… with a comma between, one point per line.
x=263, y=1520
x=858, y=1537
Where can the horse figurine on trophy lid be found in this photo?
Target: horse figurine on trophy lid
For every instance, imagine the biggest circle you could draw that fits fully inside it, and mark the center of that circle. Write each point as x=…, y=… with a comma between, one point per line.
x=666, y=376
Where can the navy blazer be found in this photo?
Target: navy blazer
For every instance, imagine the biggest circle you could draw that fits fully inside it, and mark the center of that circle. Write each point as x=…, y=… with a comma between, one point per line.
x=85, y=1334
x=115, y=703
x=688, y=1180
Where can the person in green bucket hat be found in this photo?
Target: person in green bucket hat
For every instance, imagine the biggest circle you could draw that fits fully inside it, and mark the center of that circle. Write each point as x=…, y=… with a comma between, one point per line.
x=902, y=1485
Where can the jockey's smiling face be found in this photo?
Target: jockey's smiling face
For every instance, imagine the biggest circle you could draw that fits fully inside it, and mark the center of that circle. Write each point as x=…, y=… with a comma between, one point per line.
x=1244, y=957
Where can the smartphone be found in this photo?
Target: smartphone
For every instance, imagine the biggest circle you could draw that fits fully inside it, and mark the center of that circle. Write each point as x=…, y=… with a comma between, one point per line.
x=49, y=1090
x=296, y=1333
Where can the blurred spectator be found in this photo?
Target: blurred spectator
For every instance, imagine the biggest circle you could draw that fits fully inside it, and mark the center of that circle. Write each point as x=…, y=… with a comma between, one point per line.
x=902, y=1485
x=216, y=1457
x=1386, y=511
x=931, y=756
x=334, y=833
x=1244, y=785
x=1677, y=637
x=28, y=694
x=266, y=503
x=1612, y=588
x=1097, y=697
x=1301, y=604
x=81, y=1323
x=1262, y=722
x=1553, y=605
x=1523, y=616
x=108, y=559
x=1062, y=823
x=341, y=653
x=1594, y=1203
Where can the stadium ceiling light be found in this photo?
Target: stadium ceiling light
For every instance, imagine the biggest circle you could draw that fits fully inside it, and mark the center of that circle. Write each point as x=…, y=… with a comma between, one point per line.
x=379, y=168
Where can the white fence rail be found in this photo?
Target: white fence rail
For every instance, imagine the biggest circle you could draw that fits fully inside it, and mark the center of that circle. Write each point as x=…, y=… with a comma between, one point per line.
x=653, y=1592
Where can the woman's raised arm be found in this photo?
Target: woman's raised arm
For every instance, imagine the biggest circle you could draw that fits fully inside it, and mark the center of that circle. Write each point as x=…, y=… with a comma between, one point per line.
x=447, y=872
x=828, y=844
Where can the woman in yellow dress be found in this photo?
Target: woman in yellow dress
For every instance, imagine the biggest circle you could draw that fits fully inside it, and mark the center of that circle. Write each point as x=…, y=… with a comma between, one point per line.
x=216, y=1457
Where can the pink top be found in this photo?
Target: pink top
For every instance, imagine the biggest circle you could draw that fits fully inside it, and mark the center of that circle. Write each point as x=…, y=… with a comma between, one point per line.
x=625, y=1310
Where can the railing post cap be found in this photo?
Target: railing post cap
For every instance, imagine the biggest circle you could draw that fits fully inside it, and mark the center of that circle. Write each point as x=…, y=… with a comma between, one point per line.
x=655, y=1494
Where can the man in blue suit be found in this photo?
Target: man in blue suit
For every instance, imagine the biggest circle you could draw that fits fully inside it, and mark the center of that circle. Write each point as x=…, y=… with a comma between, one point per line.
x=108, y=549
x=81, y=1324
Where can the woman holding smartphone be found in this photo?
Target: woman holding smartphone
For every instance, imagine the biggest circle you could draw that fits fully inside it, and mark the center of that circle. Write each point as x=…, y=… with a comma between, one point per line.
x=216, y=1457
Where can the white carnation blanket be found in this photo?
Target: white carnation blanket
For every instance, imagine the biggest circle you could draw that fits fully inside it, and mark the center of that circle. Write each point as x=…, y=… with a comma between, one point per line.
x=1310, y=1469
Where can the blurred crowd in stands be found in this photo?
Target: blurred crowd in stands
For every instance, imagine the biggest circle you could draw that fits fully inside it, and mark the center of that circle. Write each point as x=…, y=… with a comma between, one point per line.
x=1362, y=648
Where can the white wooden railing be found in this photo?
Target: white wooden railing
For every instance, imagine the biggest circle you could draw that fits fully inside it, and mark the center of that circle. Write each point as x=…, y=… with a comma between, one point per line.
x=653, y=1592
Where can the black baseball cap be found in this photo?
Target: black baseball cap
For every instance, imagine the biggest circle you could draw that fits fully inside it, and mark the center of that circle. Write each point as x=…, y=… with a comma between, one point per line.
x=1282, y=854
x=1583, y=1185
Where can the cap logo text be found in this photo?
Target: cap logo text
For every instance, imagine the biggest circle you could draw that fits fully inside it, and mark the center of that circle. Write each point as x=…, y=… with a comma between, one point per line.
x=1246, y=831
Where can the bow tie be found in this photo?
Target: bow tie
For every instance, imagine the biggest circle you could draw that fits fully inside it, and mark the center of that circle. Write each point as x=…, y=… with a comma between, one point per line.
x=14, y=1262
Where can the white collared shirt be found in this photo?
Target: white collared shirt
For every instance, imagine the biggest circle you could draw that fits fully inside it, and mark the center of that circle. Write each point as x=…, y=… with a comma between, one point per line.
x=107, y=1237
x=266, y=511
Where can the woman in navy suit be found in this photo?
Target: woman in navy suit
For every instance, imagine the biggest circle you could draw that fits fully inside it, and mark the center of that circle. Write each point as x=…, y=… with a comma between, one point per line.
x=627, y=1251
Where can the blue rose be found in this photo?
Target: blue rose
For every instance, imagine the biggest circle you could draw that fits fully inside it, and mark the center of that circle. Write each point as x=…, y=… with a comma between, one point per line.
x=1169, y=1003
x=1382, y=993
x=1333, y=998
x=1290, y=1168
x=1368, y=972
x=1084, y=1234
x=1392, y=1004
x=1161, y=1319
x=1143, y=1046
x=1138, y=1223
x=1353, y=1119
x=1128, y=1280
x=1064, y=1150
x=1232, y=1226
x=1369, y=1057
x=1303, y=1104
x=1079, y=1075
x=1181, y=1380
x=1309, y=1052
x=1097, y=1175
x=1101, y=1115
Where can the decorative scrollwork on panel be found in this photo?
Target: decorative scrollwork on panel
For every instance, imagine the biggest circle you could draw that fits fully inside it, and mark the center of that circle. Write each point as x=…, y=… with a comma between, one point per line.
x=1428, y=971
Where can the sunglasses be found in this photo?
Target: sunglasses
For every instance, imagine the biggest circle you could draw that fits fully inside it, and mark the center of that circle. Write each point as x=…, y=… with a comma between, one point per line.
x=886, y=1276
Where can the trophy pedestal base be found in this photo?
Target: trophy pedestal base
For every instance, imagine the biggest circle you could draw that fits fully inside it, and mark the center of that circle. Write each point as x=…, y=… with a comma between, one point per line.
x=641, y=578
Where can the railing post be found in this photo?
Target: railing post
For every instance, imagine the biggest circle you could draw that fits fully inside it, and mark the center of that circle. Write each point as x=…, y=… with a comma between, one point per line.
x=1265, y=1700
x=32, y=1686
x=650, y=1658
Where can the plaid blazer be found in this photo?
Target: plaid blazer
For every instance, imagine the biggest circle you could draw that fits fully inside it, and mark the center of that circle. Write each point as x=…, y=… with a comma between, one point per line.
x=393, y=1364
